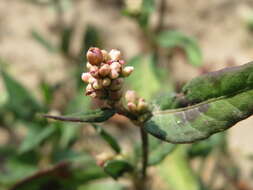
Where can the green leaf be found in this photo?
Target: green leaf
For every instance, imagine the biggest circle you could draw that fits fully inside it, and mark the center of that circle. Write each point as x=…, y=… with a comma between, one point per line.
x=91, y=38
x=158, y=153
x=66, y=39
x=224, y=82
x=43, y=42
x=173, y=39
x=166, y=101
x=36, y=135
x=116, y=168
x=102, y=186
x=98, y=115
x=144, y=78
x=199, y=121
x=108, y=138
x=204, y=148
x=177, y=173
x=20, y=100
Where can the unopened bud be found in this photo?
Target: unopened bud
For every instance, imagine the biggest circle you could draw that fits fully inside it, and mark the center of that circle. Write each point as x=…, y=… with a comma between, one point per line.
x=104, y=70
x=115, y=54
x=114, y=74
x=89, y=89
x=116, y=66
x=131, y=96
x=94, y=71
x=142, y=105
x=94, y=56
x=117, y=84
x=132, y=107
x=105, y=54
x=122, y=62
x=88, y=65
x=85, y=77
x=91, y=80
x=115, y=95
x=97, y=84
x=106, y=82
x=127, y=71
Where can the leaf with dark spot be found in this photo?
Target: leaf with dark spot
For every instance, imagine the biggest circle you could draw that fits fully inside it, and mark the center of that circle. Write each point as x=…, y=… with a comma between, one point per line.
x=228, y=96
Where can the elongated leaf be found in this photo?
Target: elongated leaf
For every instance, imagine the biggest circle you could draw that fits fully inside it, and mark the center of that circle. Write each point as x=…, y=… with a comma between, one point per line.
x=36, y=135
x=66, y=39
x=177, y=173
x=198, y=122
x=172, y=39
x=144, y=74
x=231, y=103
x=44, y=42
x=99, y=115
x=116, y=168
x=224, y=82
x=20, y=100
x=108, y=138
x=158, y=154
x=204, y=148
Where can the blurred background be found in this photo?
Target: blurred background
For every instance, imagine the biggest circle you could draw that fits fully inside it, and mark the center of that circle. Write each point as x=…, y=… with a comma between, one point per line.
x=42, y=55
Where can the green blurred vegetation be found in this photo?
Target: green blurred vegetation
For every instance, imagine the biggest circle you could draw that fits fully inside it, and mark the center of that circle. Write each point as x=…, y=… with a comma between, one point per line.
x=49, y=155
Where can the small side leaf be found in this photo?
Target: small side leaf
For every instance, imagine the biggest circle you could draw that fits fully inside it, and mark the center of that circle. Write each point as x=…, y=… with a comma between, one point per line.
x=116, y=168
x=108, y=138
x=173, y=39
x=98, y=115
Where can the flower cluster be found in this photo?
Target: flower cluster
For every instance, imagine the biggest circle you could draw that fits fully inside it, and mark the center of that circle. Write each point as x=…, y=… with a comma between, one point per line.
x=135, y=104
x=105, y=74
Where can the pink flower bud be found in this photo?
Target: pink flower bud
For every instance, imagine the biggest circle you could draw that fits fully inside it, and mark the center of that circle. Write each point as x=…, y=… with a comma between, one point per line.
x=115, y=54
x=92, y=79
x=104, y=70
x=114, y=74
x=89, y=90
x=142, y=105
x=116, y=84
x=106, y=82
x=131, y=96
x=132, y=107
x=105, y=54
x=94, y=71
x=85, y=77
x=94, y=56
x=115, y=95
x=116, y=66
x=127, y=71
x=122, y=62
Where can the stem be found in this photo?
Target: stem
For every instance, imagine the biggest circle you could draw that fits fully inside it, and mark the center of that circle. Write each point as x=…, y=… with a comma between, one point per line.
x=144, y=139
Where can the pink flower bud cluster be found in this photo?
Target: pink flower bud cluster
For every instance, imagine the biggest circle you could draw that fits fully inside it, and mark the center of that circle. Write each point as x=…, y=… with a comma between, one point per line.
x=105, y=74
x=135, y=104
